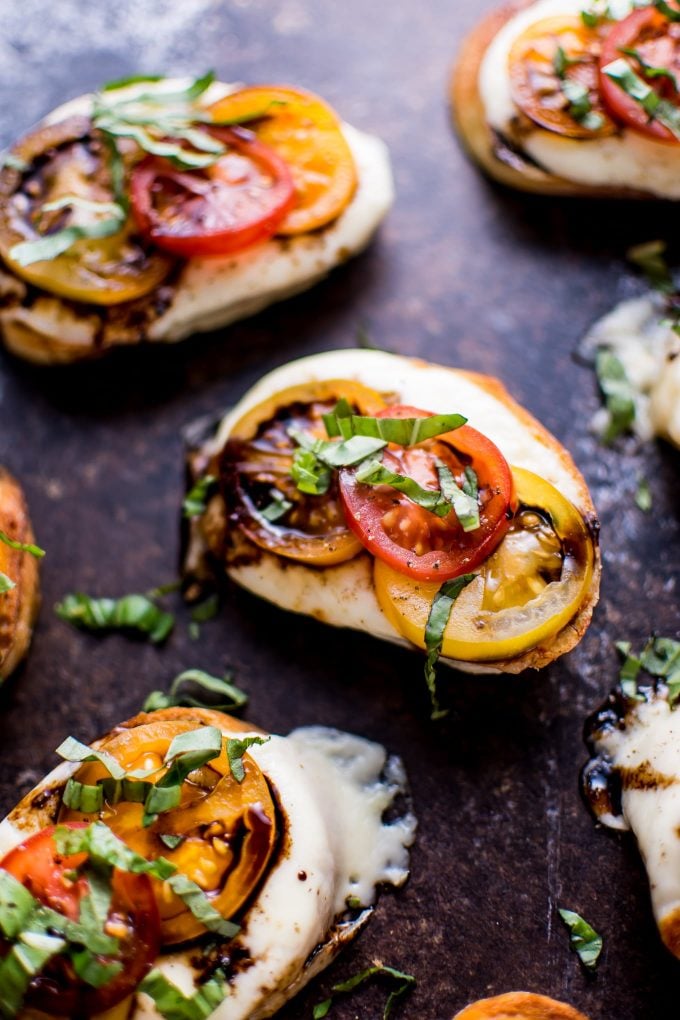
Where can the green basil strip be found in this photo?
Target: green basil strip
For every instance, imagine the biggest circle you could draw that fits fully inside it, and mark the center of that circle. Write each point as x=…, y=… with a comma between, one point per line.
x=650, y=70
x=630, y=669
x=405, y=983
x=236, y=748
x=375, y=473
x=188, y=751
x=650, y=258
x=91, y=970
x=172, y=842
x=643, y=496
x=187, y=95
x=196, y=498
x=131, y=79
x=6, y=583
x=130, y=612
x=26, y=958
x=202, y=739
x=173, y=1004
x=222, y=686
x=180, y=157
x=96, y=904
x=618, y=393
x=200, y=906
x=672, y=13
x=16, y=905
x=661, y=657
x=28, y=547
x=402, y=431
x=440, y=613
x=103, y=847
x=654, y=106
x=52, y=245
x=81, y=797
x=583, y=939
x=465, y=505
x=277, y=508
x=350, y=451
x=206, y=610
x=590, y=19
x=75, y=751
x=309, y=474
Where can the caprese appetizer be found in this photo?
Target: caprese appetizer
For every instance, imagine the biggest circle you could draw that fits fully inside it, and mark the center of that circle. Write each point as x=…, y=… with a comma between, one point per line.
x=574, y=97
x=189, y=865
x=418, y=503
x=158, y=208
x=19, y=583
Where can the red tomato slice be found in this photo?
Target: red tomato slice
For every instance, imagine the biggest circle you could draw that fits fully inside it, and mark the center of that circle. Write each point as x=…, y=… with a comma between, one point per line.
x=657, y=41
x=414, y=541
x=133, y=917
x=235, y=203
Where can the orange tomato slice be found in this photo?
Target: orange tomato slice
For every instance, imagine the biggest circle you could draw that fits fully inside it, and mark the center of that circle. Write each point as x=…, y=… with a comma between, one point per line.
x=307, y=133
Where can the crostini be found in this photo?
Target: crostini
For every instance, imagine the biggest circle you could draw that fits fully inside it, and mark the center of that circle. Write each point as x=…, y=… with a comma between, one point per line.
x=417, y=503
x=160, y=208
x=19, y=582
x=190, y=865
x=571, y=97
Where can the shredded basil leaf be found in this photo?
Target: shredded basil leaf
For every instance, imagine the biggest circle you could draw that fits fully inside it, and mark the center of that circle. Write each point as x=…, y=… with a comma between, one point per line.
x=643, y=496
x=6, y=583
x=207, y=610
x=103, y=847
x=236, y=748
x=16, y=905
x=660, y=658
x=131, y=79
x=309, y=474
x=188, y=751
x=198, y=903
x=437, y=621
x=401, y=431
x=172, y=842
x=28, y=547
x=173, y=1004
x=465, y=505
x=650, y=70
x=91, y=970
x=277, y=508
x=405, y=983
x=650, y=258
x=196, y=498
x=75, y=751
x=618, y=393
x=590, y=19
x=130, y=612
x=630, y=669
x=25, y=959
x=584, y=940
x=50, y=246
x=654, y=106
x=672, y=13
x=375, y=473
x=234, y=698
x=81, y=797
x=576, y=94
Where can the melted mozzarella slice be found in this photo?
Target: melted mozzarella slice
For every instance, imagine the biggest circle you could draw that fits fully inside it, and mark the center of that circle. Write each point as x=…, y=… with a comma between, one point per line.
x=625, y=160
x=636, y=331
x=333, y=790
x=645, y=753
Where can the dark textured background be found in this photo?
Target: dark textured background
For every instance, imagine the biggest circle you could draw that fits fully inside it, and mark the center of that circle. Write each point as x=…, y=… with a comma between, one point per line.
x=463, y=273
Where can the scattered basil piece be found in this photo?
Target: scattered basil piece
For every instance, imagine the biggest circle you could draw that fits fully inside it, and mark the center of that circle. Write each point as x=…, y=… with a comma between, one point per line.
x=590, y=19
x=650, y=70
x=401, y=431
x=172, y=842
x=196, y=498
x=650, y=258
x=131, y=79
x=75, y=751
x=207, y=610
x=130, y=612
x=309, y=474
x=25, y=959
x=16, y=905
x=6, y=583
x=164, y=589
x=173, y=1004
x=236, y=748
x=643, y=496
x=662, y=110
x=660, y=658
x=81, y=797
x=91, y=970
x=102, y=846
x=375, y=473
x=584, y=940
x=465, y=505
x=576, y=94
x=188, y=751
x=277, y=508
x=672, y=13
x=630, y=669
x=50, y=246
x=28, y=547
x=618, y=394
x=200, y=906
x=222, y=686
x=352, y=450
x=437, y=621
x=405, y=983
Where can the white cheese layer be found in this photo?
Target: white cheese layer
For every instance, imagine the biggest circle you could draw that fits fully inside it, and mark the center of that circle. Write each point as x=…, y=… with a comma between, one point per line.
x=344, y=595
x=649, y=747
x=333, y=789
x=649, y=351
x=625, y=160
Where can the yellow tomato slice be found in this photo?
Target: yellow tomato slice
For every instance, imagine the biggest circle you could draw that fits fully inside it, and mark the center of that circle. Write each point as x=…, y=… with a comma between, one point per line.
x=65, y=161
x=258, y=456
x=525, y=593
x=306, y=132
x=228, y=828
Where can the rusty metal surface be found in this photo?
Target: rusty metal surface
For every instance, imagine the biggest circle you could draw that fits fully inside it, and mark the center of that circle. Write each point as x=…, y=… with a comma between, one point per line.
x=463, y=273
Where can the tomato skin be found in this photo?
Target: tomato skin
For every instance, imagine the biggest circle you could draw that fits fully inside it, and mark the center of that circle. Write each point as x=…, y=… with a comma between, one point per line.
x=366, y=507
x=236, y=203
x=644, y=24
x=57, y=990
